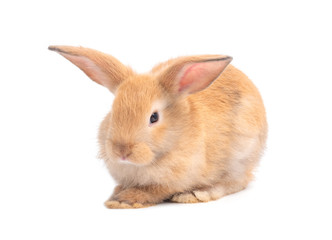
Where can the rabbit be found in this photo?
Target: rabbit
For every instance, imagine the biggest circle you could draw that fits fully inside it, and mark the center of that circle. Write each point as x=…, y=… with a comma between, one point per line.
x=191, y=130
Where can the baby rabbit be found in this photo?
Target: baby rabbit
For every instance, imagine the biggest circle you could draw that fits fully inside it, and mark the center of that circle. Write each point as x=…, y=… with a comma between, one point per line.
x=191, y=130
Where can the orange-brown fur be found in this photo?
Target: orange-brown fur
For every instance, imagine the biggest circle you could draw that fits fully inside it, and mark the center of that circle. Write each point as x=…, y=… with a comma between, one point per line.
x=206, y=143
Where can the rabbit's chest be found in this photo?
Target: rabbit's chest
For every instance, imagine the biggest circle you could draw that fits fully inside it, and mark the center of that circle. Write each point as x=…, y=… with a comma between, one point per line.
x=182, y=172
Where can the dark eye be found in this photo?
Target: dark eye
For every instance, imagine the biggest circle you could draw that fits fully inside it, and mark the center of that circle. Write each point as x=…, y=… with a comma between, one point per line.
x=154, y=117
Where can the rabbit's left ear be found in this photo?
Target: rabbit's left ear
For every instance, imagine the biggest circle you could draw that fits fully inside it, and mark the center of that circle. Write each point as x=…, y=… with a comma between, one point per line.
x=193, y=74
x=100, y=67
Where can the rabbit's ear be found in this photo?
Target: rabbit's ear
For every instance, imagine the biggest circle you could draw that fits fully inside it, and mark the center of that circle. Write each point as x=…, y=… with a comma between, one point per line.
x=193, y=74
x=100, y=67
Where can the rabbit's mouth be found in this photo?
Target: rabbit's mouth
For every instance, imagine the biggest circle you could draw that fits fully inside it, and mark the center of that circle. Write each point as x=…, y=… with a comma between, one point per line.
x=126, y=161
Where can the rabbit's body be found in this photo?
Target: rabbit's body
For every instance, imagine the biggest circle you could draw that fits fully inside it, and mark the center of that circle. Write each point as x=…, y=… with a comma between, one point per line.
x=205, y=144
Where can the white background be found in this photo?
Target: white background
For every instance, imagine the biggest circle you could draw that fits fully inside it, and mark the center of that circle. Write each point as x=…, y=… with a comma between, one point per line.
x=52, y=186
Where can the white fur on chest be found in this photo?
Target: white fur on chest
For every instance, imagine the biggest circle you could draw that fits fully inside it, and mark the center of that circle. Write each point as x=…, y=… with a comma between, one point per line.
x=165, y=172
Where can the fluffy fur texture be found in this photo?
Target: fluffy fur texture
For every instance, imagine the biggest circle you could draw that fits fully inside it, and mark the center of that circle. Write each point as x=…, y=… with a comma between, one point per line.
x=210, y=135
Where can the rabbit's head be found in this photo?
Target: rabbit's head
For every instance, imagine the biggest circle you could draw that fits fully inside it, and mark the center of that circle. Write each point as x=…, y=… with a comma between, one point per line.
x=150, y=111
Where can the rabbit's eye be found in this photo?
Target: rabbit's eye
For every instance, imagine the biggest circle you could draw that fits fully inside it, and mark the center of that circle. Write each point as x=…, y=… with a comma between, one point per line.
x=154, y=117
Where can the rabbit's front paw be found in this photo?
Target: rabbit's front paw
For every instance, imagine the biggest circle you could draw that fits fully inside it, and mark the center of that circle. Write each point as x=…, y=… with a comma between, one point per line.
x=130, y=198
x=186, y=197
x=122, y=205
x=200, y=195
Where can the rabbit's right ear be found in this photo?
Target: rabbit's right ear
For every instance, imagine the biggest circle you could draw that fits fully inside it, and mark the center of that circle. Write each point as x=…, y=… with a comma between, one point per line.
x=100, y=67
x=189, y=75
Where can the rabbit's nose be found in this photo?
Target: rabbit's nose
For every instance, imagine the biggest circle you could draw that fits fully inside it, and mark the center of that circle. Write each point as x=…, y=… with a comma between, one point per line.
x=125, y=151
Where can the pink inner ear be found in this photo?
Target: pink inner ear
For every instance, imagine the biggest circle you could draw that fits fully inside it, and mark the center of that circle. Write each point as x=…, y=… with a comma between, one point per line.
x=89, y=68
x=197, y=76
x=191, y=72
